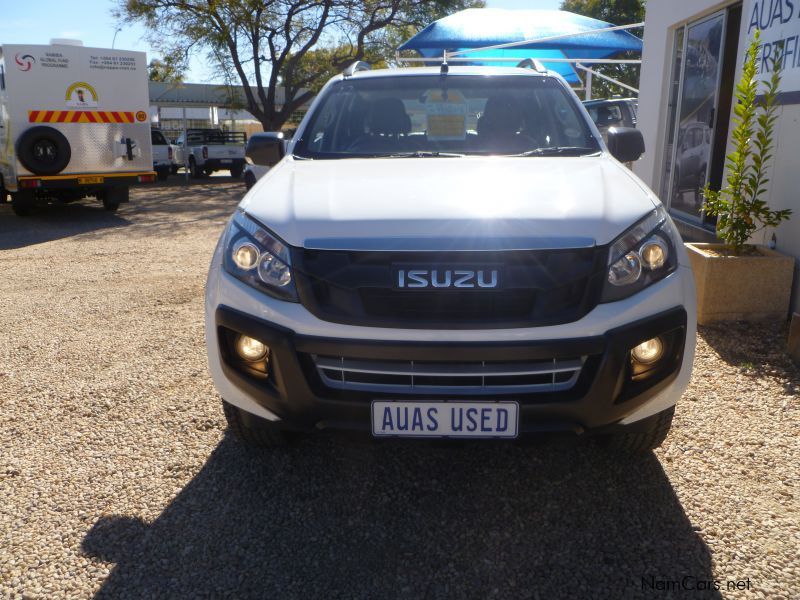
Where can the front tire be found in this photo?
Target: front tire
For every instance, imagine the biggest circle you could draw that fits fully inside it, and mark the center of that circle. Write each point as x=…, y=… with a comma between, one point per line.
x=649, y=437
x=252, y=431
x=249, y=180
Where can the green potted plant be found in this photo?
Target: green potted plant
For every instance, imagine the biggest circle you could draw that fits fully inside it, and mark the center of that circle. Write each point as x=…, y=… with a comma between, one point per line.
x=735, y=279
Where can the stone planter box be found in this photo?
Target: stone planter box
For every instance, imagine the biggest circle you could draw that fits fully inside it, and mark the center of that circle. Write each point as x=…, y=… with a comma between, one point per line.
x=747, y=288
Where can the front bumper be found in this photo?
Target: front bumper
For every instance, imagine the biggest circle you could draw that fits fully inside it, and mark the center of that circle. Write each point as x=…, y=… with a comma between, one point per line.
x=604, y=395
x=221, y=164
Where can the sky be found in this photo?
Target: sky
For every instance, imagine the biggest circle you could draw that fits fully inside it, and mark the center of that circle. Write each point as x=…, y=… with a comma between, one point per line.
x=92, y=22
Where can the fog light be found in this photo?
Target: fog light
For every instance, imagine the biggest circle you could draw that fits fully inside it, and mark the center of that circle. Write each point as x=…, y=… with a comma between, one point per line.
x=250, y=349
x=648, y=352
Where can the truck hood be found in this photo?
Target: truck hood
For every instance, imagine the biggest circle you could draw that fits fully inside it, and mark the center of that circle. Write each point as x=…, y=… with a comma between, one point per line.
x=440, y=203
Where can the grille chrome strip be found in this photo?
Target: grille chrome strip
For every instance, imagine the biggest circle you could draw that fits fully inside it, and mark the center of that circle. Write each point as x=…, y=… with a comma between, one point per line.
x=463, y=378
x=447, y=369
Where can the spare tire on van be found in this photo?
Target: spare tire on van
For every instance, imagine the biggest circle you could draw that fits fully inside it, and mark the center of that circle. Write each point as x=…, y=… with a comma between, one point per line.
x=43, y=150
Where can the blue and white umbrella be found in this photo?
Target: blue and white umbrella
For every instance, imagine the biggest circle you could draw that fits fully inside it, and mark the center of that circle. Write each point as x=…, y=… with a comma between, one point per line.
x=537, y=34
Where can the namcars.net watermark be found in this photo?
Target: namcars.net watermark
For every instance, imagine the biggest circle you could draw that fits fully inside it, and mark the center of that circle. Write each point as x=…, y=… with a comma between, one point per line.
x=689, y=583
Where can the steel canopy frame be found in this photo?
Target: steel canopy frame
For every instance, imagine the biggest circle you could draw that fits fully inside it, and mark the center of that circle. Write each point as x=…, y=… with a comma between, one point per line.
x=457, y=56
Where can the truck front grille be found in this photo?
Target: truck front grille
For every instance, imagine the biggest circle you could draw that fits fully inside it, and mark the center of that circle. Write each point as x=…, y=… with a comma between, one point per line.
x=535, y=288
x=468, y=378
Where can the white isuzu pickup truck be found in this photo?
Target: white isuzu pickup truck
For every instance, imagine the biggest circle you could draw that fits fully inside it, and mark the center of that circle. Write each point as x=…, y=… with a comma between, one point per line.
x=450, y=252
x=209, y=150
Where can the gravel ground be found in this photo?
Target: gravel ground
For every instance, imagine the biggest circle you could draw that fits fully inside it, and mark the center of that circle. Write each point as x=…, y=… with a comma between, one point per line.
x=117, y=478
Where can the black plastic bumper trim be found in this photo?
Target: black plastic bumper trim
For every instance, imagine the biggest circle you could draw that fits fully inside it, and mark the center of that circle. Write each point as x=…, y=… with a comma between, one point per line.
x=217, y=165
x=603, y=396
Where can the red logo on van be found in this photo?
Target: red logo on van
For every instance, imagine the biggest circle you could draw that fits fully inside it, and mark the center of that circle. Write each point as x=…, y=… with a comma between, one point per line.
x=24, y=62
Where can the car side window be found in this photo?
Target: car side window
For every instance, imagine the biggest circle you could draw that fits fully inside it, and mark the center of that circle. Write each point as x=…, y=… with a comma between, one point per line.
x=326, y=124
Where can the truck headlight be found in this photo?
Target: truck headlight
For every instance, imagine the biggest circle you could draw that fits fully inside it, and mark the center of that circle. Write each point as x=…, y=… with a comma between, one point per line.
x=644, y=254
x=258, y=258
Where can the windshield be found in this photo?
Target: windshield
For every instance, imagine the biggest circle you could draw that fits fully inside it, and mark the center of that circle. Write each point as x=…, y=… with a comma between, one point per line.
x=412, y=115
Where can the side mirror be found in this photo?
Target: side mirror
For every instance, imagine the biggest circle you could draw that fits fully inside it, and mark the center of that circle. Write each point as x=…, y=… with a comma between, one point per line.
x=626, y=144
x=265, y=149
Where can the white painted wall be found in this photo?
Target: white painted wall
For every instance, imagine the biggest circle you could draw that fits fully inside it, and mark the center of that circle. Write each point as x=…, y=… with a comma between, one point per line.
x=238, y=115
x=662, y=17
x=661, y=20
x=172, y=112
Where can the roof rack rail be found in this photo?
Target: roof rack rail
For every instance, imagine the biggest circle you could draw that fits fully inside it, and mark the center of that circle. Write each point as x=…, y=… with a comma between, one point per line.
x=359, y=65
x=531, y=63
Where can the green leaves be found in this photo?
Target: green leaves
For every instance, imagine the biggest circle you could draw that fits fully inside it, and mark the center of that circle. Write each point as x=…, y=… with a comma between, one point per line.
x=280, y=51
x=739, y=207
x=621, y=12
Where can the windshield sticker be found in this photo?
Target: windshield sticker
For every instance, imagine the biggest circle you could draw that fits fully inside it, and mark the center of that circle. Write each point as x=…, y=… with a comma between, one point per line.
x=446, y=113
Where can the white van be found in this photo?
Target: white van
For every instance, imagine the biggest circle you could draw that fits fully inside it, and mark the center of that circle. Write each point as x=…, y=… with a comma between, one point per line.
x=73, y=123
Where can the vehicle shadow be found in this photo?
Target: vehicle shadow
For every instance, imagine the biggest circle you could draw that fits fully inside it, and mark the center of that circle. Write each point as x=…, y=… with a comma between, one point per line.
x=54, y=222
x=180, y=180
x=333, y=517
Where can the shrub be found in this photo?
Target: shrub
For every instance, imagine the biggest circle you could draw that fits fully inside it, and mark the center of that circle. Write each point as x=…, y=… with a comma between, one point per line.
x=740, y=207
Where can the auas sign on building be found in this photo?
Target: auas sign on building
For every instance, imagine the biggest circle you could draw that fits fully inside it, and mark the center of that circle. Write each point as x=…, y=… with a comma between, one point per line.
x=779, y=22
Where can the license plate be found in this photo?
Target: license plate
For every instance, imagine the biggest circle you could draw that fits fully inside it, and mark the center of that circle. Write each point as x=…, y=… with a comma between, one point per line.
x=226, y=161
x=445, y=419
x=89, y=180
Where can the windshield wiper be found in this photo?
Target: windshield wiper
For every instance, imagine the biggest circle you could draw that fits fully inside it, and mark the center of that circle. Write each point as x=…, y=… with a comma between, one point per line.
x=421, y=154
x=555, y=150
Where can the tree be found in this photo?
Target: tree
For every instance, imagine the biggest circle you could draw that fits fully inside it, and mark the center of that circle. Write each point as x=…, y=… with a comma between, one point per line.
x=616, y=12
x=161, y=70
x=266, y=44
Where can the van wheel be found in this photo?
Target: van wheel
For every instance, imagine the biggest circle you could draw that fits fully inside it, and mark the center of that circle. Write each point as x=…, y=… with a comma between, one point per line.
x=249, y=180
x=252, y=431
x=113, y=197
x=43, y=150
x=163, y=174
x=23, y=205
x=648, y=436
x=236, y=172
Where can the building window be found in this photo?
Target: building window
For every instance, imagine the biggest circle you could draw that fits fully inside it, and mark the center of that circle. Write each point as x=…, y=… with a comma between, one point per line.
x=697, y=113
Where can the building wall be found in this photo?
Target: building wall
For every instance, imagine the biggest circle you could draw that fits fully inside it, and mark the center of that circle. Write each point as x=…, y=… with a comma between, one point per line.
x=662, y=17
x=661, y=20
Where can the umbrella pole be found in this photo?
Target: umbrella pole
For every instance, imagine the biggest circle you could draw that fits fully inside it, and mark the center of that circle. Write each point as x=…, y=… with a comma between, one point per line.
x=590, y=72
